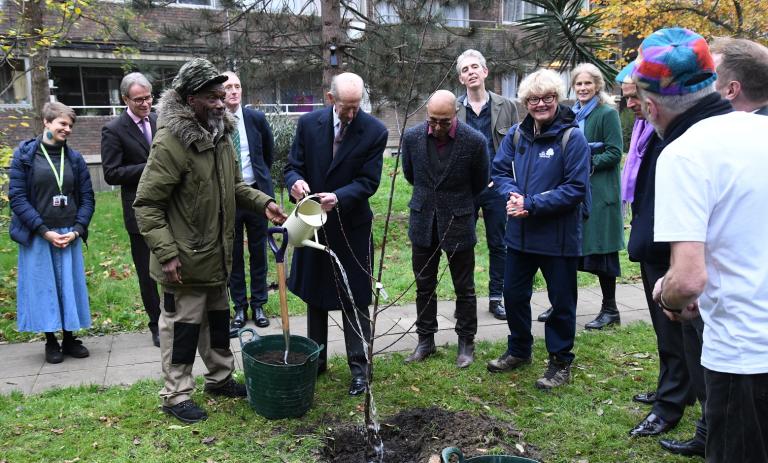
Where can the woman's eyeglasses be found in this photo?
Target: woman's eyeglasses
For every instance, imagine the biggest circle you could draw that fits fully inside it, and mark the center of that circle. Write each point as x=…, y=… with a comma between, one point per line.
x=534, y=100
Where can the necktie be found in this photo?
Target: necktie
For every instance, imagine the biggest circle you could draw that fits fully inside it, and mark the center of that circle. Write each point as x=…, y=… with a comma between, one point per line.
x=236, y=143
x=339, y=136
x=145, y=129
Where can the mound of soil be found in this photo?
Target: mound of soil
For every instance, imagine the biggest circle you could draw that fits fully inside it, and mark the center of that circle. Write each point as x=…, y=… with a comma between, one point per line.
x=413, y=436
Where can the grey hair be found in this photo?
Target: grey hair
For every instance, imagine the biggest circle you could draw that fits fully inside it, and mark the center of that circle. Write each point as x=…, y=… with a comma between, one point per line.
x=676, y=104
x=467, y=54
x=541, y=82
x=597, y=78
x=346, y=78
x=134, y=78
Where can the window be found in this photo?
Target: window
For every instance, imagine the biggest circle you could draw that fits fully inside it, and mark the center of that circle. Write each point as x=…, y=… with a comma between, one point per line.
x=196, y=3
x=509, y=85
x=515, y=10
x=14, y=83
x=303, y=7
x=453, y=16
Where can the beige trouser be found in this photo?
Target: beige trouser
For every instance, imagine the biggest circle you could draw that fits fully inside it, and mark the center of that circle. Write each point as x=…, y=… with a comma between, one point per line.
x=193, y=318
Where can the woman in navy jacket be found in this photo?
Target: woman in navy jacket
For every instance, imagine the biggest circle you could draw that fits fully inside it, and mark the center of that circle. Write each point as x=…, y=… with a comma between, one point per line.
x=52, y=203
x=543, y=170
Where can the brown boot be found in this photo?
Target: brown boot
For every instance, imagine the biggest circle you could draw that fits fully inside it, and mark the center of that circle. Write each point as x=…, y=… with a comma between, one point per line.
x=466, y=352
x=424, y=349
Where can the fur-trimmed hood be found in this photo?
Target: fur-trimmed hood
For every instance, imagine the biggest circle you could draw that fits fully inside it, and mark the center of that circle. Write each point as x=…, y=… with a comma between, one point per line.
x=180, y=120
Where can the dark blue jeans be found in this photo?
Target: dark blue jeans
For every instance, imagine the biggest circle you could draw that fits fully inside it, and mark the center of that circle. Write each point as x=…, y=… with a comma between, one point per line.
x=495, y=216
x=255, y=225
x=560, y=329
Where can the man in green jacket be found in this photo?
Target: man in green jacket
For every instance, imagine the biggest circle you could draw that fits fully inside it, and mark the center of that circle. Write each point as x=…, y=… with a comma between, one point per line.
x=185, y=209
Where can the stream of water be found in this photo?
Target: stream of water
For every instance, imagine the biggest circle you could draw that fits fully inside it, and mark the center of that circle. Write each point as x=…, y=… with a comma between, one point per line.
x=374, y=427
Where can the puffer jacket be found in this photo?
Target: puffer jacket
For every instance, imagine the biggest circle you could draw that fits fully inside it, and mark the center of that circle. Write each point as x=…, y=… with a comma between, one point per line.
x=555, y=185
x=25, y=219
x=185, y=201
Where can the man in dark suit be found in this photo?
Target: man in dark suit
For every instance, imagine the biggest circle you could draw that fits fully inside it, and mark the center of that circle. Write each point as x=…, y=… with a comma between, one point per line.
x=446, y=161
x=337, y=154
x=125, y=144
x=254, y=144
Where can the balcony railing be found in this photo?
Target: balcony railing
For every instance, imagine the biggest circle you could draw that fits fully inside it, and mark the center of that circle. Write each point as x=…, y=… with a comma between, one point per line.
x=269, y=108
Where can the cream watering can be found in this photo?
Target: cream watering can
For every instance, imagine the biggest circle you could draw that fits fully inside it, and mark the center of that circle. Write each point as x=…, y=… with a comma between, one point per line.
x=302, y=224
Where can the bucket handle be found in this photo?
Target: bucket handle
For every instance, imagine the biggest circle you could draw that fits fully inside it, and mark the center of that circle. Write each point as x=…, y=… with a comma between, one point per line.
x=278, y=250
x=448, y=452
x=313, y=356
x=254, y=336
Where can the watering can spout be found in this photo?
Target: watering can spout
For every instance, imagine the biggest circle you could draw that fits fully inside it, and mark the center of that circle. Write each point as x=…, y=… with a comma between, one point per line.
x=314, y=244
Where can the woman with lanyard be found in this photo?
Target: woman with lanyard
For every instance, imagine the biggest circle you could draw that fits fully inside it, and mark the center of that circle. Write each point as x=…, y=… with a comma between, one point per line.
x=52, y=203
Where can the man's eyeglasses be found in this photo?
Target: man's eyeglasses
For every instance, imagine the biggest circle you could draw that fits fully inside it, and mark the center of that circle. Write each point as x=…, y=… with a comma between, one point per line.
x=534, y=100
x=143, y=99
x=445, y=123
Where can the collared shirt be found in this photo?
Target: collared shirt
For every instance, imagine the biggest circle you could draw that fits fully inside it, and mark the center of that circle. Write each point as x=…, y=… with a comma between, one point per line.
x=137, y=120
x=245, y=153
x=337, y=123
x=441, y=144
x=482, y=122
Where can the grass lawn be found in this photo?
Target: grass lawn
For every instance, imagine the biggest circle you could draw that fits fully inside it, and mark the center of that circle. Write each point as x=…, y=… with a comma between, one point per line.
x=585, y=421
x=113, y=289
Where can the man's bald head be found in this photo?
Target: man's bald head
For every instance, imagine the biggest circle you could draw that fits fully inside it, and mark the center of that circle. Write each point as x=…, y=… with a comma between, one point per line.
x=442, y=101
x=441, y=113
x=345, y=95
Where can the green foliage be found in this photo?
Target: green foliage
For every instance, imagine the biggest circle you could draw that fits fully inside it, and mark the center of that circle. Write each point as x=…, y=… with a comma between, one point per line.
x=586, y=420
x=627, y=117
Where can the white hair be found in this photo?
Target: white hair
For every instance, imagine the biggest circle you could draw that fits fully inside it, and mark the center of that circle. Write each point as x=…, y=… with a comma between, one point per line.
x=541, y=82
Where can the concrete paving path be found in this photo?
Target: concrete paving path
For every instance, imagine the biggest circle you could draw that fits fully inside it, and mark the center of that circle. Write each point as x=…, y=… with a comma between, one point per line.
x=122, y=359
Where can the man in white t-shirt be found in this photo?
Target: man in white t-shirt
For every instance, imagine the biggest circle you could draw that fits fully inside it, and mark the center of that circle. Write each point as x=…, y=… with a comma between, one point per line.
x=710, y=200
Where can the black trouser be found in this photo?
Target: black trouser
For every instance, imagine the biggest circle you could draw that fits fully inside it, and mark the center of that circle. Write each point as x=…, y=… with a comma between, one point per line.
x=693, y=339
x=737, y=416
x=560, y=329
x=256, y=227
x=150, y=296
x=673, y=390
x=317, y=330
x=425, y=269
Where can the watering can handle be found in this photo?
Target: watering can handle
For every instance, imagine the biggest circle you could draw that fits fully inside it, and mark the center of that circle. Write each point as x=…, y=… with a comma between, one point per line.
x=254, y=336
x=278, y=250
x=450, y=451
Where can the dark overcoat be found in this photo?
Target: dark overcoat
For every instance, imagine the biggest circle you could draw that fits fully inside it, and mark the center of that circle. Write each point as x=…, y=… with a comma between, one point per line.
x=261, y=145
x=124, y=153
x=450, y=196
x=353, y=175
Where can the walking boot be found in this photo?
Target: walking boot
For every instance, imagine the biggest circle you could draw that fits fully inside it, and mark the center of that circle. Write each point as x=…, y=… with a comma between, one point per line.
x=424, y=349
x=544, y=316
x=609, y=315
x=466, y=352
x=557, y=374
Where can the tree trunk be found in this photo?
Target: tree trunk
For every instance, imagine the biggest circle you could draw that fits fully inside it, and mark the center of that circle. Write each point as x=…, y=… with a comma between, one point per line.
x=331, y=18
x=34, y=12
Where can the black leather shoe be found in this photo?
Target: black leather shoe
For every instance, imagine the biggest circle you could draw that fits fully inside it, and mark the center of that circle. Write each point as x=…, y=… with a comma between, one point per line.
x=652, y=425
x=53, y=353
x=424, y=349
x=259, y=318
x=647, y=398
x=544, y=316
x=688, y=448
x=496, y=307
x=603, y=319
x=238, y=321
x=466, y=352
x=229, y=389
x=358, y=386
x=187, y=412
x=506, y=362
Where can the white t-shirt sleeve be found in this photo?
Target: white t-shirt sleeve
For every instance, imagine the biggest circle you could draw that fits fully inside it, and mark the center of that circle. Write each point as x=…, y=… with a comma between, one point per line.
x=684, y=198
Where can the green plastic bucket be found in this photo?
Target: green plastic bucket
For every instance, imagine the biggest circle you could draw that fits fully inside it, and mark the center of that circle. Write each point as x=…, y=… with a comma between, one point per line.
x=448, y=452
x=279, y=391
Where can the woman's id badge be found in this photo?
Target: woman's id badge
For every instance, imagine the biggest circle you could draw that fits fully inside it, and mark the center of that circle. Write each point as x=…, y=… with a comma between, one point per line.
x=60, y=201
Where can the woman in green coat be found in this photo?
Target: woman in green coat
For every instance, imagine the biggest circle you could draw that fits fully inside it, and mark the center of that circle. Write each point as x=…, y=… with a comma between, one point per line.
x=604, y=229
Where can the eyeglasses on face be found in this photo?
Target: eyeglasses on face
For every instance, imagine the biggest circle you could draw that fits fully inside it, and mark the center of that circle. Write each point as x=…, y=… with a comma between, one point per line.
x=439, y=122
x=534, y=100
x=142, y=99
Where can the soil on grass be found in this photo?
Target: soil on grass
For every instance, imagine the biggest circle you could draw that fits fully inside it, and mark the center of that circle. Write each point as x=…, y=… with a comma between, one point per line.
x=413, y=436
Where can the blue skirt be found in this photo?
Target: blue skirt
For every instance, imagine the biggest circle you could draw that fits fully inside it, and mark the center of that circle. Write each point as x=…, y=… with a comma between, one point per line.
x=51, y=292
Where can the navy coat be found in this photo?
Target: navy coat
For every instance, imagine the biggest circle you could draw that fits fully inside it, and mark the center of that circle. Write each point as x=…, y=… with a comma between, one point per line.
x=25, y=219
x=124, y=153
x=555, y=185
x=450, y=197
x=353, y=175
x=261, y=146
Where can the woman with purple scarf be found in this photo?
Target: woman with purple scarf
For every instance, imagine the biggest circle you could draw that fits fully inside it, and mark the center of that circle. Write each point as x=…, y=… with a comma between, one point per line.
x=604, y=229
